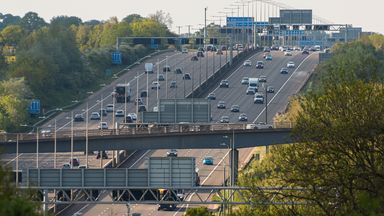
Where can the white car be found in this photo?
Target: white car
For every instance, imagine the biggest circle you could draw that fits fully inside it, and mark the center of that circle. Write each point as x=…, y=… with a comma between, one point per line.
x=291, y=64
x=247, y=63
x=260, y=125
x=155, y=85
x=103, y=125
x=184, y=50
x=110, y=108
x=133, y=116
x=288, y=53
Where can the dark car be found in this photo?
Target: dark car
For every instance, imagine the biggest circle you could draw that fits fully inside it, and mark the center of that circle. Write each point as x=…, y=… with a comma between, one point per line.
x=219, y=52
x=211, y=96
x=103, y=112
x=179, y=70
x=221, y=105
x=75, y=162
x=305, y=52
x=284, y=71
x=78, y=118
x=200, y=54
x=243, y=117
x=104, y=154
x=194, y=58
x=143, y=93
x=187, y=76
x=235, y=108
x=142, y=108
x=224, y=84
x=173, y=84
x=166, y=68
x=259, y=65
x=270, y=89
x=160, y=77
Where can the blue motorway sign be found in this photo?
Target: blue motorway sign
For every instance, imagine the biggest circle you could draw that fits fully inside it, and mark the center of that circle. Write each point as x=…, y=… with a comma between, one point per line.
x=262, y=24
x=292, y=32
x=116, y=57
x=34, y=107
x=240, y=21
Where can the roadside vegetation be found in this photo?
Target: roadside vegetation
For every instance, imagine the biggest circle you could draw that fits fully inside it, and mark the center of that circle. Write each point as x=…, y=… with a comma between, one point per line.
x=59, y=61
x=336, y=166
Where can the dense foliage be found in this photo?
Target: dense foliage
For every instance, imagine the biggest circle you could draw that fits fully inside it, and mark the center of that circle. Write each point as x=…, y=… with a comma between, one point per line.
x=61, y=60
x=337, y=165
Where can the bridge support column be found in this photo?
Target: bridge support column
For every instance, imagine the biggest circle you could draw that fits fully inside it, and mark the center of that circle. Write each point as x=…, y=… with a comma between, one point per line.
x=234, y=161
x=113, y=159
x=117, y=157
x=45, y=201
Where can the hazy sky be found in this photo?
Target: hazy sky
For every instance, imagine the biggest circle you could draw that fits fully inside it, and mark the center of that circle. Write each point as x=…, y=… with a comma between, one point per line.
x=367, y=14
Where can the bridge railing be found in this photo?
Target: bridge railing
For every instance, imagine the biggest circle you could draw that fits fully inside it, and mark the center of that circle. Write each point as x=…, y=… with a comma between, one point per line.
x=137, y=129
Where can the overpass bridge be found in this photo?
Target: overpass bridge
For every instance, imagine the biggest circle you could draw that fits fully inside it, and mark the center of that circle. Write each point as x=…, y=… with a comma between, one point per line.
x=177, y=136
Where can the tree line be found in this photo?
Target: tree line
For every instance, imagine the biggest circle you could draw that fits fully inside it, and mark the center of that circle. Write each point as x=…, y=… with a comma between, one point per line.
x=60, y=60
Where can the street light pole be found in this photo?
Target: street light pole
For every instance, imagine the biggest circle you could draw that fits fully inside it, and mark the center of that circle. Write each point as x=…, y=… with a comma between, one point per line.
x=37, y=147
x=86, y=135
x=71, y=139
x=266, y=105
x=17, y=160
x=55, y=146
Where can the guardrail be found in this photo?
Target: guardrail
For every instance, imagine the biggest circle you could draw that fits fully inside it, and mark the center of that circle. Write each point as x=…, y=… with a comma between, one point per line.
x=136, y=129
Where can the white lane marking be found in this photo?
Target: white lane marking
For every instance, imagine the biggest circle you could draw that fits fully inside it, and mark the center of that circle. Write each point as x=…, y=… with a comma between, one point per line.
x=140, y=158
x=206, y=179
x=262, y=111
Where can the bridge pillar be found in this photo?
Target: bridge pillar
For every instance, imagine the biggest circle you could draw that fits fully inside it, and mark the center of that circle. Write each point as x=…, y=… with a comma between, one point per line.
x=234, y=162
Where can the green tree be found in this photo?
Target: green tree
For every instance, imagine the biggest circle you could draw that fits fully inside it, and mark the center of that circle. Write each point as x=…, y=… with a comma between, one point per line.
x=31, y=21
x=12, y=34
x=200, y=211
x=131, y=18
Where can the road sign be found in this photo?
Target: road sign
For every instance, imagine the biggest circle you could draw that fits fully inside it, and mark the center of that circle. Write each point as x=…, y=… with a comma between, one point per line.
x=116, y=57
x=240, y=22
x=34, y=107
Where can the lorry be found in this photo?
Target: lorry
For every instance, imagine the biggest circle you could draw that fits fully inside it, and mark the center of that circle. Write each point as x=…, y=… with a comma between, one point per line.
x=122, y=93
x=253, y=82
x=148, y=68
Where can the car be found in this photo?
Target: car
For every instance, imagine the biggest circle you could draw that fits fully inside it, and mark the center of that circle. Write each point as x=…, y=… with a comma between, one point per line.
x=184, y=50
x=82, y=167
x=160, y=77
x=110, y=107
x=139, y=101
x=224, y=84
x=270, y=89
x=221, y=105
x=290, y=64
x=144, y=93
x=251, y=90
x=194, y=58
x=224, y=119
x=283, y=48
x=235, y=108
x=284, y=71
x=142, y=108
x=133, y=116
x=247, y=63
x=214, y=49
x=66, y=166
x=263, y=125
x=187, y=76
x=128, y=119
x=172, y=153
x=178, y=71
x=268, y=57
x=243, y=117
x=201, y=49
x=219, y=52
x=245, y=81
x=259, y=98
x=211, y=96
x=200, y=54
x=103, y=112
x=46, y=132
x=76, y=162
x=78, y=118
x=262, y=78
x=288, y=53
x=305, y=52
x=267, y=49
x=274, y=47
x=259, y=64
x=119, y=113
x=103, y=125
x=95, y=116
x=166, y=68
x=173, y=84
x=155, y=85
x=223, y=48
x=103, y=154
x=208, y=160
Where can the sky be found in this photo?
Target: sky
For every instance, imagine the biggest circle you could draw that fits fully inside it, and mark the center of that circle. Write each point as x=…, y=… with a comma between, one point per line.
x=367, y=14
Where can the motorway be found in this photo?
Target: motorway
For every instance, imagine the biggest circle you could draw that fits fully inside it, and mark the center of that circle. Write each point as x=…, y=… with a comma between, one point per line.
x=199, y=70
x=285, y=86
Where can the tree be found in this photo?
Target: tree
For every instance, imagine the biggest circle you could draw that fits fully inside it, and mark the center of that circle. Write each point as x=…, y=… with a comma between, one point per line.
x=14, y=201
x=200, y=211
x=132, y=17
x=12, y=34
x=31, y=21
x=66, y=21
x=162, y=18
